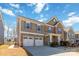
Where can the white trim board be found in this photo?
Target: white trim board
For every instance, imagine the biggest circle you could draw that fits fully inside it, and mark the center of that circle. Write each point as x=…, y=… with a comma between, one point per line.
x=31, y=33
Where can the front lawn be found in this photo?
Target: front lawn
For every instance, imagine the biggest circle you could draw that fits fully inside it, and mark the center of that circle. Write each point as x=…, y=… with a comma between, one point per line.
x=4, y=46
x=5, y=51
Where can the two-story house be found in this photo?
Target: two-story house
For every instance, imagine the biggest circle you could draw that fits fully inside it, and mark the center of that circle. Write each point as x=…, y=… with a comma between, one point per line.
x=31, y=32
x=77, y=37
x=1, y=30
x=69, y=35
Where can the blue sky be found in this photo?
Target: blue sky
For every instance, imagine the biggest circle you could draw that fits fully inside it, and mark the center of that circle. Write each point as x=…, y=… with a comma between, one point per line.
x=68, y=14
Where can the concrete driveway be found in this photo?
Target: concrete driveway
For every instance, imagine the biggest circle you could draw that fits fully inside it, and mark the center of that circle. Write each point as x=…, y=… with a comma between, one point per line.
x=47, y=51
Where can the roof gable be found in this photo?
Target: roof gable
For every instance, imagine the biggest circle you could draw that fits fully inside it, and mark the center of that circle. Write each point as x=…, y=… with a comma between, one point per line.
x=60, y=23
x=53, y=21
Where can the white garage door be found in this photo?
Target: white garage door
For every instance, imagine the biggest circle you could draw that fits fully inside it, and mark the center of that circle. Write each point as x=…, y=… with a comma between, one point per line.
x=28, y=41
x=39, y=41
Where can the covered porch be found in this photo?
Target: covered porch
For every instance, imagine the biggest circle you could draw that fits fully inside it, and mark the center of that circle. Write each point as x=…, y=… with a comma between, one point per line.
x=54, y=38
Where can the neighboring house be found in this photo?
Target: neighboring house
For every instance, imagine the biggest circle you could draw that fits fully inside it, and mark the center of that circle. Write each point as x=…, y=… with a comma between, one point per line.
x=31, y=32
x=77, y=37
x=1, y=30
x=69, y=35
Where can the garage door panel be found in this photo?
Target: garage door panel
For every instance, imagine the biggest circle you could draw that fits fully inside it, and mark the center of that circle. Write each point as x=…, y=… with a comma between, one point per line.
x=38, y=42
x=28, y=42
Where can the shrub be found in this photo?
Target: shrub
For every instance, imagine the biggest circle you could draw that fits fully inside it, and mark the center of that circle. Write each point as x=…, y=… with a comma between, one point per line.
x=54, y=44
x=64, y=43
x=61, y=43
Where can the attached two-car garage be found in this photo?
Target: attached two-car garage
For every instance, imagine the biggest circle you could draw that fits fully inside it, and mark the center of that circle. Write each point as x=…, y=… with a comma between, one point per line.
x=32, y=41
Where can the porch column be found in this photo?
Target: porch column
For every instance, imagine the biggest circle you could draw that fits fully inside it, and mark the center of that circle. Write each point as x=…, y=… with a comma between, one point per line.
x=59, y=40
x=67, y=37
x=50, y=38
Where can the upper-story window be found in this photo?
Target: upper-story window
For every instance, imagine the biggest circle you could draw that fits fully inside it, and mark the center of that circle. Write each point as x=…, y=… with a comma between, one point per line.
x=38, y=28
x=59, y=30
x=28, y=25
x=49, y=29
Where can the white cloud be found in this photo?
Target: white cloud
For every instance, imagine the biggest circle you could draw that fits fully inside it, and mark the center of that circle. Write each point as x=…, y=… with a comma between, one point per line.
x=71, y=21
x=41, y=15
x=20, y=11
x=39, y=7
x=17, y=6
x=7, y=11
x=0, y=8
x=47, y=8
x=10, y=29
x=42, y=20
x=31, y=4
x=71, y=13
x=14, y=5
